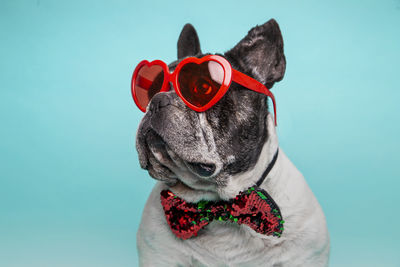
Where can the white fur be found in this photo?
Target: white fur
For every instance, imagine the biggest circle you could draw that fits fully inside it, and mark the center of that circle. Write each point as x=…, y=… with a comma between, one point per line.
x=304, y=242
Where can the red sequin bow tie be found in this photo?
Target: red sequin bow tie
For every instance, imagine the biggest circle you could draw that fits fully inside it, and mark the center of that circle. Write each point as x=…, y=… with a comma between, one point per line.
x=253, y=207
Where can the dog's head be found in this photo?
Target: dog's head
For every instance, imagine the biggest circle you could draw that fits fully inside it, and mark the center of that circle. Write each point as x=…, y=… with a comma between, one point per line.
x=201, y=151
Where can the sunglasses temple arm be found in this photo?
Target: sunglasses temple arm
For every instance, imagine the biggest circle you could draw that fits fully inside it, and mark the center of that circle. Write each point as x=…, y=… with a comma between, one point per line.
x=273, y=102
x=254, y=85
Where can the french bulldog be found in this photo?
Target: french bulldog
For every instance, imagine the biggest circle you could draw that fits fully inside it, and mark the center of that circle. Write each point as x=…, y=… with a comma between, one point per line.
x=216, y=154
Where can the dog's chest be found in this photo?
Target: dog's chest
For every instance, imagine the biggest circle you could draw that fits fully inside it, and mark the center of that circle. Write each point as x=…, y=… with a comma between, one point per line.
x=225, y=243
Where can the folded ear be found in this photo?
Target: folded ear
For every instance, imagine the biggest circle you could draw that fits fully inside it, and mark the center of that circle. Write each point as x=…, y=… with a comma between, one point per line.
x=260, y=53
x=188, y=42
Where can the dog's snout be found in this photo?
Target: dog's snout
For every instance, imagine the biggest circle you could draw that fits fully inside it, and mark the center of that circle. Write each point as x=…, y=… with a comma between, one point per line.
x=202, y=169
x=160, y=100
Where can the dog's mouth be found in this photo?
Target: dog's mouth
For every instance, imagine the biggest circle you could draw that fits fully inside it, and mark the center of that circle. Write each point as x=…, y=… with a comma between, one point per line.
x=196, y=175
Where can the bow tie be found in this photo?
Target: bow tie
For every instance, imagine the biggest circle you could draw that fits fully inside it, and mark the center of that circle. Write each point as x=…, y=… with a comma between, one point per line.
x=253, y=207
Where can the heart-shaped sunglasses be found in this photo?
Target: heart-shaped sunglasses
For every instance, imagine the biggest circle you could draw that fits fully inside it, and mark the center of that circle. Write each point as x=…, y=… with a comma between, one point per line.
x=199, y=82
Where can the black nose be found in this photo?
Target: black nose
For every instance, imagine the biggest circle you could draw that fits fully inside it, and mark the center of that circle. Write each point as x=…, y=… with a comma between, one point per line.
x=201, y=169
x=160, y=100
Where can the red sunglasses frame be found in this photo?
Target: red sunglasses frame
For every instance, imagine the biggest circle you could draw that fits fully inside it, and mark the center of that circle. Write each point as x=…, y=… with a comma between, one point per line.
x=230, y=75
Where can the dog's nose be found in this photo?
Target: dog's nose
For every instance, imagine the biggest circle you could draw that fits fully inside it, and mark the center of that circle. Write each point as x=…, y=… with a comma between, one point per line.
x=158, y=101
x=202, y=169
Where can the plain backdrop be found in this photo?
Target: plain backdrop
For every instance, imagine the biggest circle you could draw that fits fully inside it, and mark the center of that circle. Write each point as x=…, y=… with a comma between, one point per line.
x=71, y=189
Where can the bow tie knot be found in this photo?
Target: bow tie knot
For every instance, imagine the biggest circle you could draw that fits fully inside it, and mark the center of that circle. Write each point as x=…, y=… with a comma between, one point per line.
x=253, y=207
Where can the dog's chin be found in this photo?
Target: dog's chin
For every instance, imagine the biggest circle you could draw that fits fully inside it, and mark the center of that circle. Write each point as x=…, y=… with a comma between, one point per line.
x=191, y=194
x=188, y=186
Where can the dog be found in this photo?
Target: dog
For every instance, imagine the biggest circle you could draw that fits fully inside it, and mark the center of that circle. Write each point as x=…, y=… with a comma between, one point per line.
x=214, y=155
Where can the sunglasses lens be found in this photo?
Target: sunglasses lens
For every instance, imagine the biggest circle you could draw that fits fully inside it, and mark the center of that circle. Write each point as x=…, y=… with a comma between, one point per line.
x=148, y=82
x=199, y=83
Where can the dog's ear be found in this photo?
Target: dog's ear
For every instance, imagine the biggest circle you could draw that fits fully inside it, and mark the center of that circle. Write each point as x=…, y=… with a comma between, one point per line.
x=188, y=42
x=260, y=53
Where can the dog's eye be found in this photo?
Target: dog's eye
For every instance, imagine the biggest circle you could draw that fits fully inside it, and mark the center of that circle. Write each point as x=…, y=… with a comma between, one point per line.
x=202, y=87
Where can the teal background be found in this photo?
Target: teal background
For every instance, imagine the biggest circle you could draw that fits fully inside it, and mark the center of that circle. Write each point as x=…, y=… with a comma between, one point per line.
x=71, y=190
